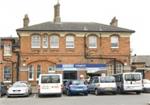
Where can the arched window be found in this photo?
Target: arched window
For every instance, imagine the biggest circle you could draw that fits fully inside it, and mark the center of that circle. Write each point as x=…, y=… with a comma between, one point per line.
x=7, y=74
x=45, y=41
x=92, y=42
x=54, y=41
x=35, y=41
x=38, y=71
x=114, y=41
x=31, y=73
x=70, y=41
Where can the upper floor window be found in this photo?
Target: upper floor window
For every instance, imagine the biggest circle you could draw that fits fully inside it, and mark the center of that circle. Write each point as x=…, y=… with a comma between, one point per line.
x=69, y=41
x=7, y=50
x=92, y=42
x=36, y=41
x=45, y=41
x=54, y=41
x=114, y=41
x=7, y=74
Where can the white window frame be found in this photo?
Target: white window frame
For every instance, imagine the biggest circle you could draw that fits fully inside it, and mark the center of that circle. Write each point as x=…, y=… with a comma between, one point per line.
x=40, y=69
x=70, y=41
x=54, y=41
x=7, y=50
x=45, y=41
x=114, y=41
x=32, y=71
x=92, y=41
x=35, y=41
x=7, y=81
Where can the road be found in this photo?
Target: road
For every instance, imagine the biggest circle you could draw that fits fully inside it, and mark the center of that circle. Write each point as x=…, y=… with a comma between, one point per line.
x=126, y=99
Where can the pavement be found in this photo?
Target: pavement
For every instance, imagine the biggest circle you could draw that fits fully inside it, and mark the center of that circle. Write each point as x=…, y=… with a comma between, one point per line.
x=34, y=89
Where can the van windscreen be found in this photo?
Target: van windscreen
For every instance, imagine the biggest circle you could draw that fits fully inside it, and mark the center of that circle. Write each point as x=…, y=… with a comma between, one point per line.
x=50, y=79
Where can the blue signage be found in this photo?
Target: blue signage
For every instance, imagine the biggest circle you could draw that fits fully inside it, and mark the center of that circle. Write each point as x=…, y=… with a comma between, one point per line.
x=81, y=66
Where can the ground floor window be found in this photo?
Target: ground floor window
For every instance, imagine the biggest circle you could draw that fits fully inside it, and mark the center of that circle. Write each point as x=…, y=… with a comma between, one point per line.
x=31, y=72
x=119, y=68
x=7, y=74
x=70, y=75
x=38, y=71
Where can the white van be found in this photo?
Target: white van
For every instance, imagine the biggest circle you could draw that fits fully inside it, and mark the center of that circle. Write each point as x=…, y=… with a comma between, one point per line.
x=129, y=82
x=50, y=84
x=102, y=84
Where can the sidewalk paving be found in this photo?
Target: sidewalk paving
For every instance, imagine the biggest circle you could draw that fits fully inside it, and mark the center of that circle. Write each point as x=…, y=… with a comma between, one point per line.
x=34, y=89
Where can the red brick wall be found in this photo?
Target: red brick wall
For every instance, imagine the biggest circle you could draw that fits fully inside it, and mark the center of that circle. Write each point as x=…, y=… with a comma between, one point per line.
x=62, y=55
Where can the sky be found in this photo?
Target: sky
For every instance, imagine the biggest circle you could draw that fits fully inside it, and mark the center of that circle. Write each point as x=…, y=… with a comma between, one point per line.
x=131, y=14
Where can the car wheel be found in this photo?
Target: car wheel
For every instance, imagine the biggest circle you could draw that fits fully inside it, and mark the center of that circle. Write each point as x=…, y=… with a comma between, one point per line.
x=86, y=94
x=68, y=93
x=96, y=92
x=114, y=93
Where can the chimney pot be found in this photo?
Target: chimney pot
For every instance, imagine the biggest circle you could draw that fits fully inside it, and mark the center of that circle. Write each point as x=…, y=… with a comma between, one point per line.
x=57, y=18
x=114, y=22
x=25, y=21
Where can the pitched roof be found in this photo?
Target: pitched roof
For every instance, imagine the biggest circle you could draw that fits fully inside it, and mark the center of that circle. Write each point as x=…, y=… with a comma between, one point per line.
x=142, y=58
x=74, y=27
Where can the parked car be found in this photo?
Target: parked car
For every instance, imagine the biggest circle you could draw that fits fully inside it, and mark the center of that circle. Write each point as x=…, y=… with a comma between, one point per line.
x=20, y=88
x=3, y=89
x=146, y=85
x=100, y=84
x=73, y=87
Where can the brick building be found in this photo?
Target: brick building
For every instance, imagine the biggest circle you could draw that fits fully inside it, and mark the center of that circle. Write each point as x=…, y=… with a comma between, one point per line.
x=8, y=59
x=72, y=48
x=141, y=63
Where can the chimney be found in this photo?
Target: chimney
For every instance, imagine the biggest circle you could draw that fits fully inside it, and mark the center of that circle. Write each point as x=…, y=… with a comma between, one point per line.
x=114, y=22
x=57, y=13
x=25, y=21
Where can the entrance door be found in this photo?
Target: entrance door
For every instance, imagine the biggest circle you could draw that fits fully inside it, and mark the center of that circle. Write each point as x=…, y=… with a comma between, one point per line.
x=70, y=75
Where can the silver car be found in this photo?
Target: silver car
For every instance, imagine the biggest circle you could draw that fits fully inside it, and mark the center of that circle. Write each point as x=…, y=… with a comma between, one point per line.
x=19, y=88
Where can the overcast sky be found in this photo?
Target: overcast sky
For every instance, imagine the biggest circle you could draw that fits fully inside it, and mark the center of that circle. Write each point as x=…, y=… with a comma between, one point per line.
x=131, y=14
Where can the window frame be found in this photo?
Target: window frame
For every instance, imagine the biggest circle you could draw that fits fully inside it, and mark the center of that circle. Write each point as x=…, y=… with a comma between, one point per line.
x=91, y=42
x=7, y=81
x=70, y=44
x=37, y=41
x=7, y=49
x=116, y=42
x=45, y=41
x=38, y=71
x=32, y=68
x=54, y=43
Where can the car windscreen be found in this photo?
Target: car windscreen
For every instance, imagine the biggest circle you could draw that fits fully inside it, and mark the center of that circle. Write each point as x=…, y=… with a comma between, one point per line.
x=77, y=82
x=107, y=79
x=50, y=79
x=132, y=77
x=19, y=85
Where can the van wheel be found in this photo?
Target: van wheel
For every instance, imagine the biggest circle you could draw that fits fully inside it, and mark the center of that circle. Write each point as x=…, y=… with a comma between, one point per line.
x=96, y=92
x=59, y=95
x=68, y=93
x=138, y=92
x=39, y=95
